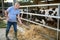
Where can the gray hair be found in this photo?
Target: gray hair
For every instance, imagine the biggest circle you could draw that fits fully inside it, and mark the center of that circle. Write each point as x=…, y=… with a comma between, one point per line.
x=17, y=3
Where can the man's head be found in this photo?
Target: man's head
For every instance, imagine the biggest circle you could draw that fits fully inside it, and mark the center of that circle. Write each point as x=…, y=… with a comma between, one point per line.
x=17, y=5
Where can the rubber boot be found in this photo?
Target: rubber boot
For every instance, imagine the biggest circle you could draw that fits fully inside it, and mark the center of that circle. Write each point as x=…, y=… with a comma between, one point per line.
x=16, y=36
x=7, y=36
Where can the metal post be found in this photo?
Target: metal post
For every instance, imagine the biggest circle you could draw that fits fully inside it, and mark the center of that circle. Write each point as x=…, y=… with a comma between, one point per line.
x=59, y=9
x=2, y=7
x=48, y=3
x=27, y=16
x=14, y=1
x=58, y=22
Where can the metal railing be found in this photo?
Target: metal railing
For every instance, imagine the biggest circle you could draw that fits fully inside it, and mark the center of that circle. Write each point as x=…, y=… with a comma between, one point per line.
x=57, y=17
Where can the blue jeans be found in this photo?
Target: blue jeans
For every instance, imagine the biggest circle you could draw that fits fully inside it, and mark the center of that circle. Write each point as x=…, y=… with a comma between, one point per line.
x=9, y=24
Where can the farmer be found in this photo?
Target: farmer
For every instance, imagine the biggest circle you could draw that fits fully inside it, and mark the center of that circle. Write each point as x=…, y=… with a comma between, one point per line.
x=12, y=14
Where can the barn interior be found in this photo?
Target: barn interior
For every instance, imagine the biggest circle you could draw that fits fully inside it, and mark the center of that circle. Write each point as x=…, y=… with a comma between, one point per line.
x=40, y=18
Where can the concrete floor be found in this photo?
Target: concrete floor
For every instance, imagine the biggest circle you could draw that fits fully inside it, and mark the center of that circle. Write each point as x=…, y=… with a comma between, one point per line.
x=2, y=33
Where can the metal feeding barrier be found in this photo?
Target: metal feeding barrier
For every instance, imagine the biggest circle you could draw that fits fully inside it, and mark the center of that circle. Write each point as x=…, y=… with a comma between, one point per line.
x=41, y=5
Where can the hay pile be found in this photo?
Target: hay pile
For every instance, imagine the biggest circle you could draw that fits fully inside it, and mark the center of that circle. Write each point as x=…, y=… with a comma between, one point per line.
x=31, y=34
x=35, y=32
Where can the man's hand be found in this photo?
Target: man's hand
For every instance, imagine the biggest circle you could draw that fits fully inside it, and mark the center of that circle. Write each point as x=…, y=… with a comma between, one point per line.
x=19, y=19
x=6, y=15
x=7, y=18
x=20, y=22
